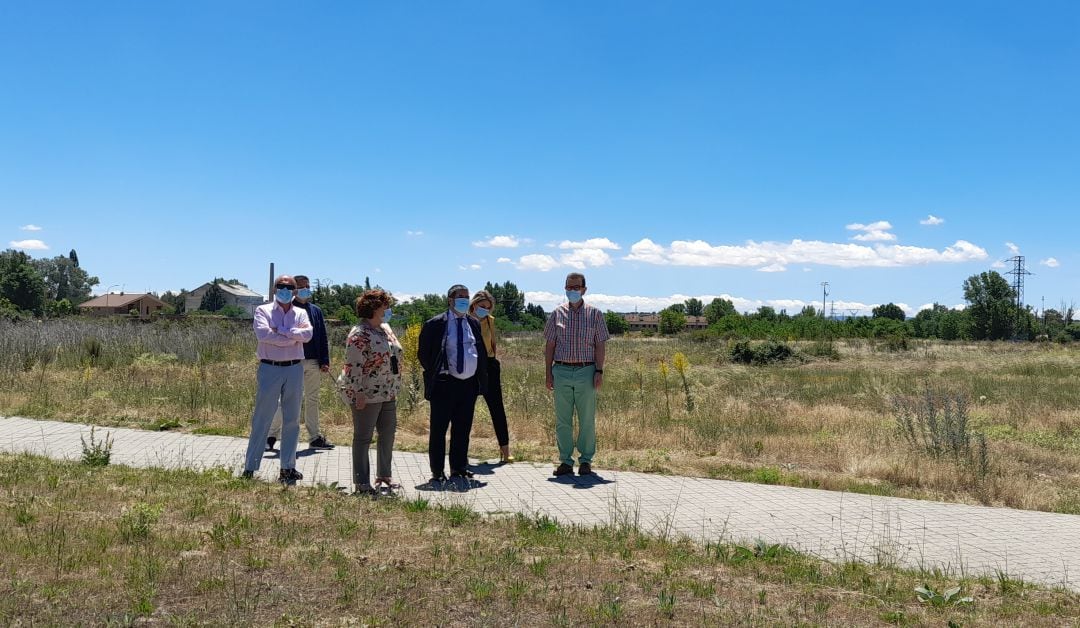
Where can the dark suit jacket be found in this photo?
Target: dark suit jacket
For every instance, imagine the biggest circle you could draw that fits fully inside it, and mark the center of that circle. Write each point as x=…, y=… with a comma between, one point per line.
x=433, y=358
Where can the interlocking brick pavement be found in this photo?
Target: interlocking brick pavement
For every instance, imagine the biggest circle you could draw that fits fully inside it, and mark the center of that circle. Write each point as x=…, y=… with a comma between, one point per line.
x=1038, y=547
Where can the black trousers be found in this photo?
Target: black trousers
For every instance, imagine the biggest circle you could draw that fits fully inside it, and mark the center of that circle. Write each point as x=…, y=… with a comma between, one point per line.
x=453, y=402
x=494, y=399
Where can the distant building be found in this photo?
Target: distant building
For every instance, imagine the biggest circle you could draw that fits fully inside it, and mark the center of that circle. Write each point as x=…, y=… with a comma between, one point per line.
x=235, y=294
x=651, y=321
x=145, y=305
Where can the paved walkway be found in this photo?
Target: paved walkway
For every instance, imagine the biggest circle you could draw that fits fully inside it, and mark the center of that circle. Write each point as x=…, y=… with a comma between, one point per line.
x=1035, y=546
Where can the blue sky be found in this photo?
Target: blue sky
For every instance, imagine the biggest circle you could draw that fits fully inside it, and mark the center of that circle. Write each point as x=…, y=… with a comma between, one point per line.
x=748, y=150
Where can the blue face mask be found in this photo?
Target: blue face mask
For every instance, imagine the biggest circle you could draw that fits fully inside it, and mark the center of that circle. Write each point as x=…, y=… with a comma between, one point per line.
x=573, y=295
x=481, y=312
x=283, y=295
x=304, y=293
x=387, y=315
x=461, y=305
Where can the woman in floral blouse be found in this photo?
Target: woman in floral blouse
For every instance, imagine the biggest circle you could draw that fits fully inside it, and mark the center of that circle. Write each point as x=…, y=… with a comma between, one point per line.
x=369, y=384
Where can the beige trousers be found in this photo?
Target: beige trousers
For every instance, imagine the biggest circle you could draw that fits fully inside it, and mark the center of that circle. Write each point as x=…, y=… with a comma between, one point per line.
x=310, y=411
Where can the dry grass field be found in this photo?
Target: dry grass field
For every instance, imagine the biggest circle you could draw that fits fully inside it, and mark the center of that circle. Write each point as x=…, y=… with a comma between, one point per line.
x=828, y=422
x=118, y=546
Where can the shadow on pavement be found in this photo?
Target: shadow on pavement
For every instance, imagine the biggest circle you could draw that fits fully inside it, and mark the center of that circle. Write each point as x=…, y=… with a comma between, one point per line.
x=581, y=481
x=452, y=485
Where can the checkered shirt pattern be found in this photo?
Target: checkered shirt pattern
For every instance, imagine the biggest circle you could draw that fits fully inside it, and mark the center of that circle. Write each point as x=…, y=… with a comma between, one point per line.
x=576, y=331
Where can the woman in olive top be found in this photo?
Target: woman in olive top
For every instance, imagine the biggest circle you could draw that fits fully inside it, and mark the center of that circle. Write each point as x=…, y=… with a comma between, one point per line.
x=369, y=384
x=481, y=308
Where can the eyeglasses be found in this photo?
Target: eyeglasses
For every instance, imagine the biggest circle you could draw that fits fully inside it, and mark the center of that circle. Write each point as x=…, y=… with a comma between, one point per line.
x=279, y=286
x=574, y=287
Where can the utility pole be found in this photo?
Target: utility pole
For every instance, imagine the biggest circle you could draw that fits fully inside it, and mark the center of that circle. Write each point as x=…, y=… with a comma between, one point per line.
x=1018, y=273
x=824, y=293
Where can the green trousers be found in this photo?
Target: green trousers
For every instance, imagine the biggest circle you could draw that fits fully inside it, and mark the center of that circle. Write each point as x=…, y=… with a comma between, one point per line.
x=574, y=390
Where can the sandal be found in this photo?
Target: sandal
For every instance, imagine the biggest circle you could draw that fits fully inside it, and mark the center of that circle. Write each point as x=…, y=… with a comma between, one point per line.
x=385, y=487
x=504, y=454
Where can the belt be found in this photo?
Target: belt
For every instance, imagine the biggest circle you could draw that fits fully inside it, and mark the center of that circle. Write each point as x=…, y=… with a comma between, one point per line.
x=575, y=363
x=282, y=363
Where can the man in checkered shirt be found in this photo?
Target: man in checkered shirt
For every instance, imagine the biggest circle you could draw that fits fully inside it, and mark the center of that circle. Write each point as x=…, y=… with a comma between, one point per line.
x=574, y=362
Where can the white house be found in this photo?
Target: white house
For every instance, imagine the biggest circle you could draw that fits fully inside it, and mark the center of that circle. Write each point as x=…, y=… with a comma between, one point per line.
x=235, y=294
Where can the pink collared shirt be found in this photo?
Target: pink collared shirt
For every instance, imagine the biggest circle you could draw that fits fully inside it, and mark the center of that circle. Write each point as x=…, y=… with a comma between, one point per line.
x=281, y=334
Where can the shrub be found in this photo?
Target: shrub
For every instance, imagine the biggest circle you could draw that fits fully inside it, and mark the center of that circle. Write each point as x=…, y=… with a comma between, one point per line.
x=769, y=352
x=96, y=453
x=936, y=423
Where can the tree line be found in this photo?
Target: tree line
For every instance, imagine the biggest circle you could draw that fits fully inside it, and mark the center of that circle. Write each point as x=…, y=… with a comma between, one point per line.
x=991, y=314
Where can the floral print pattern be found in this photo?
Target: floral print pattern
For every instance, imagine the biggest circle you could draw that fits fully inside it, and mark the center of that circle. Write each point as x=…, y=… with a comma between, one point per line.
x=367, y=370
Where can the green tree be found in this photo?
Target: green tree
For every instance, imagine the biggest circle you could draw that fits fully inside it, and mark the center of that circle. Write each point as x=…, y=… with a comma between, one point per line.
x=808, y=311
x=231, y=282
x=990, y=306
x=536, y=311
x=766, y=313
x=672, y=320
x=64, y=279
x=213, y=299
x=21, y=283
x=616, y=324
x=509, y=301
x=678, y=307
x=74, y=257
x=889, y=310
x=717, y=309
x=177, y=301
x=694, y=307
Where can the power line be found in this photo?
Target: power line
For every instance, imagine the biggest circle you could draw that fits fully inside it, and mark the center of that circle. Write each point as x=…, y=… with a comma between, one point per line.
x=1018, y=273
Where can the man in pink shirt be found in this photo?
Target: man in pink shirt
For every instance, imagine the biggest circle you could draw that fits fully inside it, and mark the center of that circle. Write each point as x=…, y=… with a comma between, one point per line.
x=281, y=330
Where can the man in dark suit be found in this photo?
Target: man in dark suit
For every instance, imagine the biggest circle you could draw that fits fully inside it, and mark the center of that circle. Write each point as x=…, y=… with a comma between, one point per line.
x=455, y=372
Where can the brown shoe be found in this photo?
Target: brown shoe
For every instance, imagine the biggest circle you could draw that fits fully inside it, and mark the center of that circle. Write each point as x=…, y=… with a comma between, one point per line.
x=585, y=469
x=563, y=469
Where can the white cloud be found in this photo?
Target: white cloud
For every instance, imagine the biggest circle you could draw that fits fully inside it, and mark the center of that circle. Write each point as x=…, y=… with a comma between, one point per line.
x=30, y=228
x=470, y=267
x=1051, y=262
x=499, y=241
x=631, y=303
x=414, y=234
x=1013, y=249
x=931, y=221
x=769, y=255
x=583, y=258
x=873, y=232
x=591, y=243
x=503, y=260
x=998, y=264
x=772, y=268
x=29, y=245
x=542, y=263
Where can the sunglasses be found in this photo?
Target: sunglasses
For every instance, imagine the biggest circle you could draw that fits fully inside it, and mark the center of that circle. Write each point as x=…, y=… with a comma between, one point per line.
x=279, y=286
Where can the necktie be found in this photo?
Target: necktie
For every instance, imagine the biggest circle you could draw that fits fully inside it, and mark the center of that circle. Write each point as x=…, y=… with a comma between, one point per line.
x=460, y=346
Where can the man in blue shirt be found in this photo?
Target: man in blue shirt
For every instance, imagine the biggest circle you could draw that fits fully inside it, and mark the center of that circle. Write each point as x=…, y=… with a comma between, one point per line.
x=316, y=362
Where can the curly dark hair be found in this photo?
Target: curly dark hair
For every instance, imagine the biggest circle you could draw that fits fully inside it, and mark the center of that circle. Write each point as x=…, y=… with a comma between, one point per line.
x=372, y=300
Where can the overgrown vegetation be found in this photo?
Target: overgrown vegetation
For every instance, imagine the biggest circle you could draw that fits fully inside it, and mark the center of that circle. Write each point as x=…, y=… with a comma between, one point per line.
x=823, y=417
x=120, y=546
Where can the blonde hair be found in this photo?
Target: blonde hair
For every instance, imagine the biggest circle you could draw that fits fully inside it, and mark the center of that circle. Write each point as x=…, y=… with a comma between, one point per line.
x=481, y=295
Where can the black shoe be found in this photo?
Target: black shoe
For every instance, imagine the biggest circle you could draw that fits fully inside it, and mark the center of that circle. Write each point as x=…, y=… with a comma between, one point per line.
x=270, y=443
x=438, y=478
x=248, y=475
x=584, y=469
x=564, y=469
x=462, y=474
x=320, y=442
x=290, y=476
